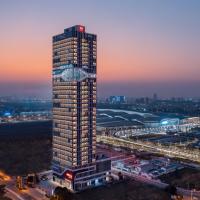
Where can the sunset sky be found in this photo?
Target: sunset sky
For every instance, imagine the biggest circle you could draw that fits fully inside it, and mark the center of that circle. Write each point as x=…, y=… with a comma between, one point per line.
x=144, y=46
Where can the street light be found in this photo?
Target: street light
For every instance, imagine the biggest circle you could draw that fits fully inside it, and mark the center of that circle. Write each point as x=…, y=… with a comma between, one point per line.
x=192, y=191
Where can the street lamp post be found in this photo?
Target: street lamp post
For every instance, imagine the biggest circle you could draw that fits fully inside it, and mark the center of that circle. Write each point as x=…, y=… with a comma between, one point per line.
x=193, y=190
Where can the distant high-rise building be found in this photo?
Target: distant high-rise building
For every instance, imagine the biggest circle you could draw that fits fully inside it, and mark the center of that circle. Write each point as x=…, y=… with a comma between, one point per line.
x=117, y=99
x=155, y=97
x=74, y=110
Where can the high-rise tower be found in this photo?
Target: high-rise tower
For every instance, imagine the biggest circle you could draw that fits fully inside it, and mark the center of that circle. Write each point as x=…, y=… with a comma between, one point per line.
x=74, y=108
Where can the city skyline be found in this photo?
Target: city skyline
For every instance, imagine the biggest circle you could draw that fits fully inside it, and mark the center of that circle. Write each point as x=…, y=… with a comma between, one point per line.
x=155, y=44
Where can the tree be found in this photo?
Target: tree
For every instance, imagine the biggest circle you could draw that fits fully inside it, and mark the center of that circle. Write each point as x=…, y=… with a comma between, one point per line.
x=2, y=190
x=120, y=176
x=171, y=189
x=62, y=194
x=37, y=178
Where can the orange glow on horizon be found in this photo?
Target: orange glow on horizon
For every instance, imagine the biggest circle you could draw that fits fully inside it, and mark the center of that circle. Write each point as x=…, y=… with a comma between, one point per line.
x=28, y=58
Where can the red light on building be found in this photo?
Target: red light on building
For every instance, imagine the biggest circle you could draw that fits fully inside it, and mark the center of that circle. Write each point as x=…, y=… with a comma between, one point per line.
x=69, y=176
x=81, y=28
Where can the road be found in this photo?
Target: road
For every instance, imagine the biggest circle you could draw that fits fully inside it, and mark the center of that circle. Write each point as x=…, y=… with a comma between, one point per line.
x=27, y=194
x=15, y=194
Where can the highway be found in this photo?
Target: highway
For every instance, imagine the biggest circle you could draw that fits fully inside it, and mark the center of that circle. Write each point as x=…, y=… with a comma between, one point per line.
x=171, y=151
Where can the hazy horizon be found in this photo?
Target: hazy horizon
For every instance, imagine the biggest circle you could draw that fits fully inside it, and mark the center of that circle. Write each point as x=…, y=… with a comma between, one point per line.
x=130, y=89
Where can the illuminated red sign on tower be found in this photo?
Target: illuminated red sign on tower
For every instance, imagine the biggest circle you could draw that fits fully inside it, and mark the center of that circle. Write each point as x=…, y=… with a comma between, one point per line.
x=69, y=175
x=81, y=29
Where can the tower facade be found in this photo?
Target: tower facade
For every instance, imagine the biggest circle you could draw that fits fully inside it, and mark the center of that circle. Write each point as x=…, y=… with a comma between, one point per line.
x=74, y=107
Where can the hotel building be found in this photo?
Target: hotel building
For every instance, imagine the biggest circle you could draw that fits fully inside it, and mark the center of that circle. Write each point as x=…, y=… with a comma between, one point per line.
x=75, y=164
